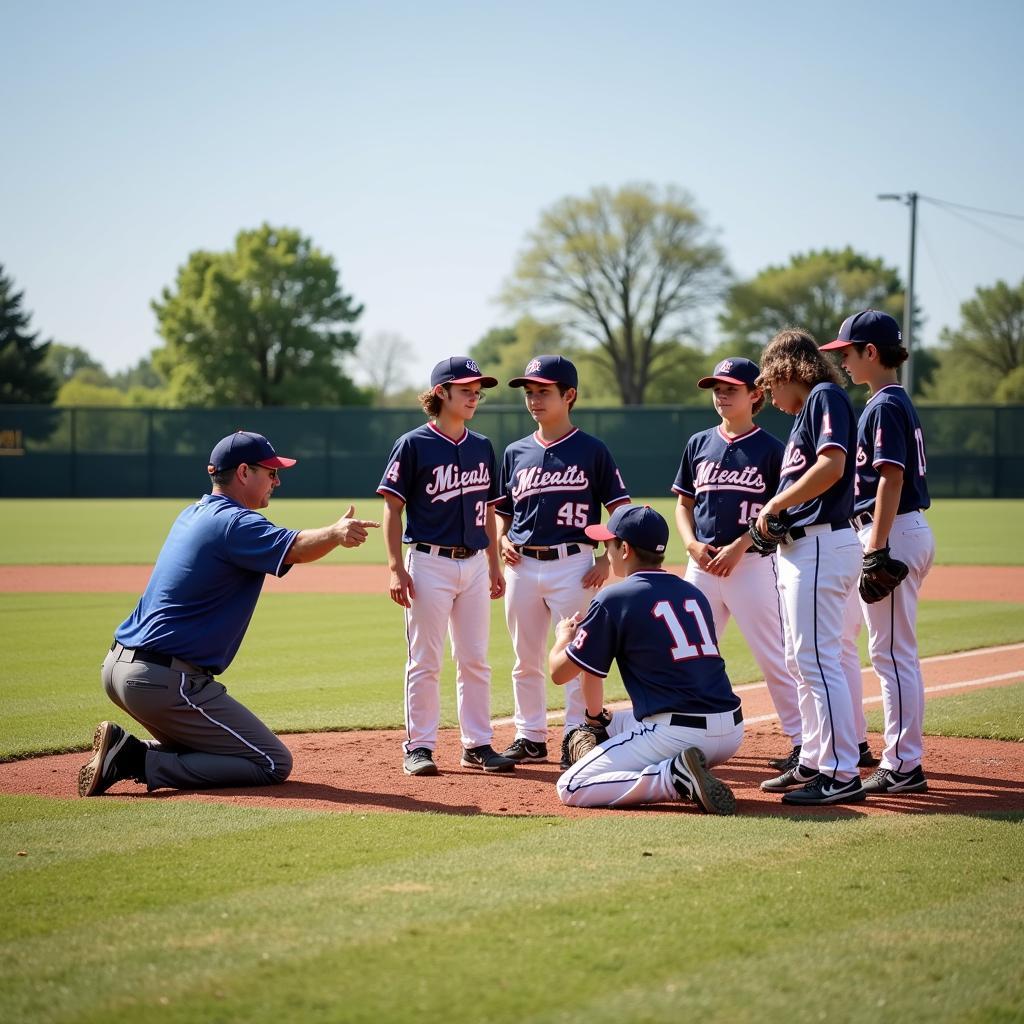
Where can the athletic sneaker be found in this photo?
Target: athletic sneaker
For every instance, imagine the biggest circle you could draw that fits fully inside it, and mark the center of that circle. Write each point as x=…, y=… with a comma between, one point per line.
x=694, y=782
x=488, y=759
x=783, y=764
x=792, y=778
x=824, y=790
x=888, y=780
x=419, y=761
x=526, y=750
x=117, y=755
x=866, y=758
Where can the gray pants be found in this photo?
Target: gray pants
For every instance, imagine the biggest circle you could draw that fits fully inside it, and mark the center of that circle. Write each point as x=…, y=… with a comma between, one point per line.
x=204, y=738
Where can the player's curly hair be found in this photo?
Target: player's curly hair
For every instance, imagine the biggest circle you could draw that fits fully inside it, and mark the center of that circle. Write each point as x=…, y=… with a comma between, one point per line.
x=430, y=403
x=793, y=355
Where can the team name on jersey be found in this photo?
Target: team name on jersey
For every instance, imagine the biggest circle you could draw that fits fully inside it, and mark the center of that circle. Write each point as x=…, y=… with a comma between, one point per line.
x=534, y=480
x=451, y=482
x=862, y=456
x=711, y=477
x=794, y=460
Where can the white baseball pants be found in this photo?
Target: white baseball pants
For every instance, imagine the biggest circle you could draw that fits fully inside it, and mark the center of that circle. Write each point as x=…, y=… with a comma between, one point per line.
x=453, y=596
x=892, y=642
x=535, y=592
x=633, y=766
x=750, y=594
x=816, y=574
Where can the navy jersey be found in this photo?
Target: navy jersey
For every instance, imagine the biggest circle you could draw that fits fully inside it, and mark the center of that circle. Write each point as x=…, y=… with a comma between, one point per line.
x=729, y=479
x=660, y=630
x=206, y=581
x=890, y=431
x=825, y=421
x=554, y=490
x=446, y=486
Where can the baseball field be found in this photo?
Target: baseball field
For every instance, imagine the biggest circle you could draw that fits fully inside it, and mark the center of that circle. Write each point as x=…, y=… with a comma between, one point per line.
x=354, y=893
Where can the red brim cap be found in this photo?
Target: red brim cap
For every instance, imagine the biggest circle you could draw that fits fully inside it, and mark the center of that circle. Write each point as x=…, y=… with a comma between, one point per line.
x=598, y=532
x=485, y=382
x=277, y=462
x=518, y=382
x=833, y=345
x=709, y=382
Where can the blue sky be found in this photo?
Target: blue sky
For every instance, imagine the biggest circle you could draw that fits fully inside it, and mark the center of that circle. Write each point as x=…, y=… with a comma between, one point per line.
x=418, y=143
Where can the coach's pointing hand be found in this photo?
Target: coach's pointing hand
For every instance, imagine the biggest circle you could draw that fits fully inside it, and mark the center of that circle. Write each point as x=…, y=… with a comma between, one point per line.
x=352, y=532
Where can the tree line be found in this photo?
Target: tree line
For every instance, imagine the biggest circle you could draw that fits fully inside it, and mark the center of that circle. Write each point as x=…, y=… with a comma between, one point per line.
x=621, y=281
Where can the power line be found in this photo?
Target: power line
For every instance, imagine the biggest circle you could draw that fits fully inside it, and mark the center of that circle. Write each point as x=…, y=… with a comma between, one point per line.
x=986, y=229
x=973, y=209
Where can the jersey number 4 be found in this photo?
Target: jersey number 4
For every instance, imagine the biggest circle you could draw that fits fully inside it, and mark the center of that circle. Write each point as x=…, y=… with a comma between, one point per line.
x=683, y=650
x=572, y=514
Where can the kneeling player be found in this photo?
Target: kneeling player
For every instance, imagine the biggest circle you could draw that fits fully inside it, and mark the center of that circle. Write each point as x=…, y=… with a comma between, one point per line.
x=685, y=715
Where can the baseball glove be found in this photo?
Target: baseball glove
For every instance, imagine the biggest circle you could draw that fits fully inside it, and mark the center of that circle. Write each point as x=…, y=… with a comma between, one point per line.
x=766, y=545
x=581, y=741
x=880, y=575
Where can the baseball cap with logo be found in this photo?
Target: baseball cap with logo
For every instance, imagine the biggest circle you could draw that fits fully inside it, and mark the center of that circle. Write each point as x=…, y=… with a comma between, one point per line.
x=870, y=326
x=547, y=370
x=243, y=446
x=734, y=370
x=460, y=370
x=639, y=525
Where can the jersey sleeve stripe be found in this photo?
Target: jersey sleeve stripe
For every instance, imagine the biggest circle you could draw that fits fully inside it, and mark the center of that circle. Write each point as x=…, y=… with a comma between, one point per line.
x=496, y=501
x=891, y=462
x=389, y=490
x=830, y=444
x=679, y=490
x=583, y=665
x=624, y=499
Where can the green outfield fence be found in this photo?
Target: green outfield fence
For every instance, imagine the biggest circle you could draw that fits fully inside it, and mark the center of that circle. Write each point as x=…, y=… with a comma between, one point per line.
x=973, y=451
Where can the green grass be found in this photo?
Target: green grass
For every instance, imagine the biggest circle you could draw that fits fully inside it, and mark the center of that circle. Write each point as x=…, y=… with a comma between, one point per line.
x=316, y=662
x=191, y=912
x=130, y=531
x=993, y=714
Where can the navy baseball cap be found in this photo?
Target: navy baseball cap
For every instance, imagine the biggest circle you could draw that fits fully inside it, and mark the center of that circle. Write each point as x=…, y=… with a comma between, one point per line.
x=547, y=370
x=243, y=446
x=734, y=370
x=639, y=525
x=460, y=370
x=870, y=326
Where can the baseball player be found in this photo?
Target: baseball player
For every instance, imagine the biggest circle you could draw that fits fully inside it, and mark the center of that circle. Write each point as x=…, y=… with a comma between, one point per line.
x=444, y=477
x=891, y=495
x=725, y=476
x=553, y=484
x=818, y=559
x=187, y=628
x=660, y=630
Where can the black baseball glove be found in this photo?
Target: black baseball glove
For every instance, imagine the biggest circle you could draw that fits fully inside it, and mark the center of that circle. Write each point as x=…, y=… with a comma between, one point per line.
x=766, y=545
x=880, y=575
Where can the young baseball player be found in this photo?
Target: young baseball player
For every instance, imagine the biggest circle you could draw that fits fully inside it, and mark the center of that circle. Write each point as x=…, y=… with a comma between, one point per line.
x=444, y=477
x=726, y=474
x=553, y=484
x=891, y=495
x=818, y=559
x=660, y=631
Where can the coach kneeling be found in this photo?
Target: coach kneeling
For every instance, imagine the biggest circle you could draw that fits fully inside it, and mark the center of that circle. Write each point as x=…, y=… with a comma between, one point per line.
x=187, y=628
x=659, y=630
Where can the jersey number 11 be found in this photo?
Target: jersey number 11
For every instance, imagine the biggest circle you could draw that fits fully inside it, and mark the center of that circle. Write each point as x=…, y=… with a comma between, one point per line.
x=683, y=650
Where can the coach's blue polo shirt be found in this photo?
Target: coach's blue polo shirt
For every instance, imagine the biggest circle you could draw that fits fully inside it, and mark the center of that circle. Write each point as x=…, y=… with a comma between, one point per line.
x=206, y=583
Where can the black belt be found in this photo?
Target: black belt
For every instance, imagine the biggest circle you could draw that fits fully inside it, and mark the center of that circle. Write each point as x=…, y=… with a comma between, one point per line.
x=460, y=552
x=864, y=519
x=549, y=554
x=700, y=722
x=157, y=657
x=799, y=532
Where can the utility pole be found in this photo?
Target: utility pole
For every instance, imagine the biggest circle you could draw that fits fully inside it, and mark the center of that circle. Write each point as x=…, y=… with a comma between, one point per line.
x=909, y=199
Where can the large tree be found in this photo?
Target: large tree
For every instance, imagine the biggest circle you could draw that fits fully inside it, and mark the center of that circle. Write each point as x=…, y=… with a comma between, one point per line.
x=24, y=379
x=626, y=270
x=816, y=290
x=263, y=324
x=983, y=356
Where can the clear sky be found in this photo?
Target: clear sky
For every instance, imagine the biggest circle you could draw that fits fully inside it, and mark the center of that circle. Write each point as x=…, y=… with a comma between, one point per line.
x=418, y=142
